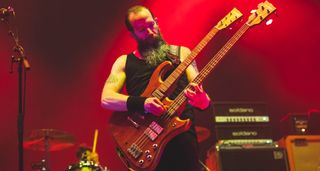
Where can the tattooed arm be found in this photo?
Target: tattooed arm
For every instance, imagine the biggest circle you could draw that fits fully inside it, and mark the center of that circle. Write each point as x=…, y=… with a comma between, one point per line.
x=111, y=97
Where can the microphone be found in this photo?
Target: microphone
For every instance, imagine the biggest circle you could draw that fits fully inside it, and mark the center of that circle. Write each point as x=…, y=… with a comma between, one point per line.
x=6, y=12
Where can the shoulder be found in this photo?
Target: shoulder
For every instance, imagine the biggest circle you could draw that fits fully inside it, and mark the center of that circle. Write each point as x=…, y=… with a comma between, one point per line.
x=122, y=58
x=181, y=49
x=184, y=52
x=120, y=63
x=184, y=49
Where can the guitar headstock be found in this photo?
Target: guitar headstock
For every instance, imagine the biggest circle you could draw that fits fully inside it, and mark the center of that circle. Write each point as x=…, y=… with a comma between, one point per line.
x=264, y=10
x=232, y=16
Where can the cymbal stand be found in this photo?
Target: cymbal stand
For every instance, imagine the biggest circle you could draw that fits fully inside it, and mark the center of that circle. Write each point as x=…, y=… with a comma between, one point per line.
x=43, y=165
x=47, y=145
x=39, y=166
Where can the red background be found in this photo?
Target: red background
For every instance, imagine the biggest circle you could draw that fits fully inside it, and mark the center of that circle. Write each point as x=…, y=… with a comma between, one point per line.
x=72, y=44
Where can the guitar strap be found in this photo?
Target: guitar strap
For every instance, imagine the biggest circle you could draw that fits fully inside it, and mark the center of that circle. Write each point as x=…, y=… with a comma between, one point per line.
x=174, y=54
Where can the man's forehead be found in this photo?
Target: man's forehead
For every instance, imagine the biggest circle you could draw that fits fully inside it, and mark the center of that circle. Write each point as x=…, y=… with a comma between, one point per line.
x=141, y=16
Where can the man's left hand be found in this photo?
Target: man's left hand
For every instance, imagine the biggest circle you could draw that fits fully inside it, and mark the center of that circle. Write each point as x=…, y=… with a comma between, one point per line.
x=197, y=97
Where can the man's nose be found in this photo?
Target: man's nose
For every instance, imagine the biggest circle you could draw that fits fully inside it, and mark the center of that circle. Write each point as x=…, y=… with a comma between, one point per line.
x=149, y=31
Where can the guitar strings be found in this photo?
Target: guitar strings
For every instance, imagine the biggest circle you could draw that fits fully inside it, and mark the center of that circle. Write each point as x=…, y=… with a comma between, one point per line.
x=141, y=141
x=165, y=118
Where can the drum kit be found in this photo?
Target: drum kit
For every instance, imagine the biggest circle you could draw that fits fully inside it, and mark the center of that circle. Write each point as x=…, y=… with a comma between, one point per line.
x=48, y=140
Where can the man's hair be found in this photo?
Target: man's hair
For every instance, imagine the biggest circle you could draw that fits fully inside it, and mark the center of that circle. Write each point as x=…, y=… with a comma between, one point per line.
x=135, y=9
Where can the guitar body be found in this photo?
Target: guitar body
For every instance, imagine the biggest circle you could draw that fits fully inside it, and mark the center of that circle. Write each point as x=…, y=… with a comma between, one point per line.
x=140, y=138
x=147, y=153
x=156, y=79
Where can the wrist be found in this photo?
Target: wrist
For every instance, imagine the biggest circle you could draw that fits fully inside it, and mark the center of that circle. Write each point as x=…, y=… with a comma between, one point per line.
x=135, y=103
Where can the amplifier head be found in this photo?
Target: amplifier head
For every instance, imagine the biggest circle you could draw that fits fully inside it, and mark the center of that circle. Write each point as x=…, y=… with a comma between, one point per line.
x=240, y=109
x=301, y=123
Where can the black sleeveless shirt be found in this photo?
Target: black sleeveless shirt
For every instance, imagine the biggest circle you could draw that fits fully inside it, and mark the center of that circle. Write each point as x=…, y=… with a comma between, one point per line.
x=138, y=74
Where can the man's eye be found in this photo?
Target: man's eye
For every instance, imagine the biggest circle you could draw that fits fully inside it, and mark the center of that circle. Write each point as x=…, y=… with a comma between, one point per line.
x=141, y=29
x=151, y=25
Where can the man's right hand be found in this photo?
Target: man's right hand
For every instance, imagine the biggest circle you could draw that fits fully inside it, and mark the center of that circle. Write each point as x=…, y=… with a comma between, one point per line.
x=154, y=105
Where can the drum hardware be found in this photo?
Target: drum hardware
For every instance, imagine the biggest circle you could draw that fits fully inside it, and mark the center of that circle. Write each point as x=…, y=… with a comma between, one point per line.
x=205, y=167
x=88, y=158
x=85, y=165
x=47, y=140
x=39, y=166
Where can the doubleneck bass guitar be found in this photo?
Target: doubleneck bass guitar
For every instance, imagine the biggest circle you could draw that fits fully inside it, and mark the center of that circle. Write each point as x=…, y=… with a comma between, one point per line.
x=126, y=127
x=141, y=139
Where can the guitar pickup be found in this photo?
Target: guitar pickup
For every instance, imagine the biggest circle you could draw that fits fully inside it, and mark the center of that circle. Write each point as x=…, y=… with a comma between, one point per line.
x=150, y=134
x=156, y=127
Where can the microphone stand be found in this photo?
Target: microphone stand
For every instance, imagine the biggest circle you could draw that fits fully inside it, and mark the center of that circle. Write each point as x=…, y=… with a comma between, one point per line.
x=23, y=66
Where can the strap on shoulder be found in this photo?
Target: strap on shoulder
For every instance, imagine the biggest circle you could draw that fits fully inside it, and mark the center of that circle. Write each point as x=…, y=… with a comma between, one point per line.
x=174, y=54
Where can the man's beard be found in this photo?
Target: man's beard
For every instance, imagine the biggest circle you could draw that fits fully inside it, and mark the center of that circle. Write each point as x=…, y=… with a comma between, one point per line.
x=153, y=50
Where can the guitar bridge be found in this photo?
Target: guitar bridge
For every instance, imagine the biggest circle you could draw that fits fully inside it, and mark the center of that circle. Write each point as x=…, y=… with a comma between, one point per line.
x=135, y=151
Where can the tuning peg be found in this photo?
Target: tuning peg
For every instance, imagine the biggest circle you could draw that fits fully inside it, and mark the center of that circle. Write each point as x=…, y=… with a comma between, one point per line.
x=253, y=11
x=261, y=18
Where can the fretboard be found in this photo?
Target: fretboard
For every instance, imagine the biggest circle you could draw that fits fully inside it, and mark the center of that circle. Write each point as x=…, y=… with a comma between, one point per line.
x=180, y=99
x=177, y=73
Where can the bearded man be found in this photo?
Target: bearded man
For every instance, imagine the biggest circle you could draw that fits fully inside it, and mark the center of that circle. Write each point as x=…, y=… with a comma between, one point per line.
x=135, y=69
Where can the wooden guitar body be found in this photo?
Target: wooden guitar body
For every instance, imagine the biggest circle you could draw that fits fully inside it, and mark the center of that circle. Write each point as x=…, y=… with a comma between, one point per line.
x=141, y=138
x=139, y=143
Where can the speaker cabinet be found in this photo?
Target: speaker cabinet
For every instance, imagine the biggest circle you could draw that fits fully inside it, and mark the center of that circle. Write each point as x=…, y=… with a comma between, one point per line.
x=252, y=159
x=303, y=152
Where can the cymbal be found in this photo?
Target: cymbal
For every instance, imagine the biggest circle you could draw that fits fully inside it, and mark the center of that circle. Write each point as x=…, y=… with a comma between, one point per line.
x=202, y=133
x=48, y=139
